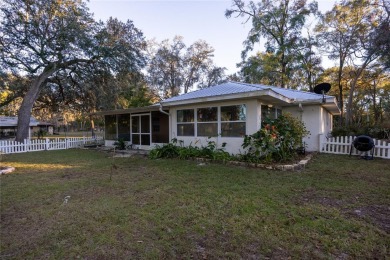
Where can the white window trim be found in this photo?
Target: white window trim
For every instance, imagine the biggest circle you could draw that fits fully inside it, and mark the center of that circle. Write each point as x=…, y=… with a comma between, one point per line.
x=236, y=121
x=207, y=122
x=219, y=121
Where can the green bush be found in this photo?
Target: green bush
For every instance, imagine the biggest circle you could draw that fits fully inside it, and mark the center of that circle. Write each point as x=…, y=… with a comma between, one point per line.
x=40, y=134
x=276, y=141
x=120, y=144
x=172, y=150
x=165, y=151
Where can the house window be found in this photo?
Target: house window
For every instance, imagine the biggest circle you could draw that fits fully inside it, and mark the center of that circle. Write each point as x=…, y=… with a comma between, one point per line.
x=270, y=112
x=185, y=122
x=207, y=121
x=110, y=123
x=233, y=121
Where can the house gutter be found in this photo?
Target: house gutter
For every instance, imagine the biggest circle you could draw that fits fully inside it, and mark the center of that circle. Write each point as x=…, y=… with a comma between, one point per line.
x=329, y=104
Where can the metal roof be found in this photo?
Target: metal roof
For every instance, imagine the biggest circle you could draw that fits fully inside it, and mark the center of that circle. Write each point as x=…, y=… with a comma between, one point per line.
x=237, y=90
x=230, y=88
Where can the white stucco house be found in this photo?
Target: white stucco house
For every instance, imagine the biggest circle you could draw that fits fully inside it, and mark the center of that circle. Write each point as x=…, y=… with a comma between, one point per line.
x=225, y=112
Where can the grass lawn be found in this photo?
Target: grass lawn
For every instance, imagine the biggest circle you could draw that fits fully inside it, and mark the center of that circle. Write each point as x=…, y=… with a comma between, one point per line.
x=338, y=207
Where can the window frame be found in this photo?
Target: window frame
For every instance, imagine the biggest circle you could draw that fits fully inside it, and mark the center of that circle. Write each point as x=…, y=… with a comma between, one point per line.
x=186, y=123
x=240, y=121
x=203, y=123
x=198, y=123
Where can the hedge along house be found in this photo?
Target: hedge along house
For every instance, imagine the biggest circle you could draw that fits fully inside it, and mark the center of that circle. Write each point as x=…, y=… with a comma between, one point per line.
x=224, y=113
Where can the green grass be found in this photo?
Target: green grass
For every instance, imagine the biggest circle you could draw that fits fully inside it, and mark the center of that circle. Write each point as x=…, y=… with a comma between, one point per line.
x=338, y=207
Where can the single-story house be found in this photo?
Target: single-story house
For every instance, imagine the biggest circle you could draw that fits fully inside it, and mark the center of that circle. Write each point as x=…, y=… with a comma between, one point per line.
x=226, y=113
x=9, y=124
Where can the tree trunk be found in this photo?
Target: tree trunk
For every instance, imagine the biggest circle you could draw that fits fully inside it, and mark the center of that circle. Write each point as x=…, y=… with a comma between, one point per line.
x=24, y=113
x=92, y=127
x=341, y=99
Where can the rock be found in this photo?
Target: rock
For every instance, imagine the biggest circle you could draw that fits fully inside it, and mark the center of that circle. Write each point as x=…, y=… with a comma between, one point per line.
x=6, y=169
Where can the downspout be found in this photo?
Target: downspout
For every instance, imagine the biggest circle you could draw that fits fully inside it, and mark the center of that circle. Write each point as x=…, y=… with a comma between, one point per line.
x=162, y=111
x=169, y=121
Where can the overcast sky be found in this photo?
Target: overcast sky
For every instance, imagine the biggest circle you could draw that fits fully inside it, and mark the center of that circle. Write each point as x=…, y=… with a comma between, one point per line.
x=194, y=20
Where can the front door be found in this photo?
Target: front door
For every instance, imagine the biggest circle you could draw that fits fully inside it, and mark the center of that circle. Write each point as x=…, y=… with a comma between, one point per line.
x=140, y=129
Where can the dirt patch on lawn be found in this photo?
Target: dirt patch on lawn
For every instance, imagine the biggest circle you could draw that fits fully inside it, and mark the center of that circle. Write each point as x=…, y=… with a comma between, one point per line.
x=377, y=215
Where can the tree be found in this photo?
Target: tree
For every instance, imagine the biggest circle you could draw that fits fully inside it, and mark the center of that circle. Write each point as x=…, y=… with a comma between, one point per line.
x=381, y=35
x=347, y=33
x=261, y=68
x=214, y=75
x=46, y=38
x=174, y=67
x=280, y=23
x=308, y=65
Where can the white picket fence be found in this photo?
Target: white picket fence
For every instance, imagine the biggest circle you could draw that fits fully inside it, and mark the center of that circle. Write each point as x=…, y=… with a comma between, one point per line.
x=343, y=145
x=32, y=145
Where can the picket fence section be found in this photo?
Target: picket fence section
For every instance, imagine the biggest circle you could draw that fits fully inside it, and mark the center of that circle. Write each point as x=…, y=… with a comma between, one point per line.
x=32, y=145
x=343, y=145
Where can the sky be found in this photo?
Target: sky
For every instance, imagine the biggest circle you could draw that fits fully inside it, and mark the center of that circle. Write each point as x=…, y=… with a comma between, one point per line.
x=192, y=19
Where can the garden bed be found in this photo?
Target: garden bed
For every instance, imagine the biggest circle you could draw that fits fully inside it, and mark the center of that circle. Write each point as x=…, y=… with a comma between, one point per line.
x=293, y=166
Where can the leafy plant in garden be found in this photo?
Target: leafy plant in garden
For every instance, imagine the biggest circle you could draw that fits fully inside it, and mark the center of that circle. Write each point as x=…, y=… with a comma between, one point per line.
x=277, y=140
x=165, y=151
x=172, y=150
x=120, y=144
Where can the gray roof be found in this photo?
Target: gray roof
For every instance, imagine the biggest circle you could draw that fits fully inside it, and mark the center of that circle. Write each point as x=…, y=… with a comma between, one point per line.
x=230, y=88
x=13, y=121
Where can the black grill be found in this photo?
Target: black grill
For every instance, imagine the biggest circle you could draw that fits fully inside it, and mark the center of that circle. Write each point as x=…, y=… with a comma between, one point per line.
x=364, y=143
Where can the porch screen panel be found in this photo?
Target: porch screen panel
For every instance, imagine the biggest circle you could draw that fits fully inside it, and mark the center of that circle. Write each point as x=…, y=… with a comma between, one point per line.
x=145, y=130
x=140, y=129
x=185, y=122
x=233, y=121
x=135, y=129
x=145, y=124
x=207, y=119
x=110, y=127
x=124, y=127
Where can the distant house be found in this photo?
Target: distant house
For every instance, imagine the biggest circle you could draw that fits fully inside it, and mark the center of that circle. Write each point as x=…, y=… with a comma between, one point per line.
x=9, y=124
x=225, y=112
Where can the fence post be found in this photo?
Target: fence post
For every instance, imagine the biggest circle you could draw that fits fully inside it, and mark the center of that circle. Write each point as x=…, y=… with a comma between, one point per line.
x=47, y=144
x=321, y=137
x=25, y=146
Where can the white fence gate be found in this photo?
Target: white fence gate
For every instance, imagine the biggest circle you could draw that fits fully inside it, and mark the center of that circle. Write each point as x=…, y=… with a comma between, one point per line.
x=32, y=145
x=343, y=145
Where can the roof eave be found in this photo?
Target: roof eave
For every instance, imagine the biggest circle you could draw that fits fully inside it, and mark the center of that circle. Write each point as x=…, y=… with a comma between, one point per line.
x=330, y=104
x=127, y=111
x=244, y=95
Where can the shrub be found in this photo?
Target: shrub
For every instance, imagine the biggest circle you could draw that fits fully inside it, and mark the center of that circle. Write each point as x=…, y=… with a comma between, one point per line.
x=171, y=150
x=41, y=133
x=165, y=151
x=277, y=140
x=120, y=144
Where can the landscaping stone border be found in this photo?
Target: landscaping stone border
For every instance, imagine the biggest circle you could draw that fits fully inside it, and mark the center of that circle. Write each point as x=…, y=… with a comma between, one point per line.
x=280, y=167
